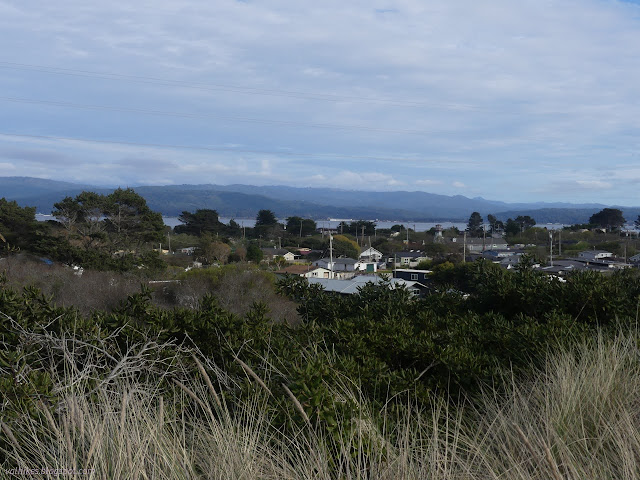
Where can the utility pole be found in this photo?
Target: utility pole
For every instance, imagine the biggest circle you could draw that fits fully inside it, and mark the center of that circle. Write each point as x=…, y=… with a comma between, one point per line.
x=300, y=228
x=464, y=247
x=551, y=247
x=560, y=242
x=330, y=255
x=484, y=236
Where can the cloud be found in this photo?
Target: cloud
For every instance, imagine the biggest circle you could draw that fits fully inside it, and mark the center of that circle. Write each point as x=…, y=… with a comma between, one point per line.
x=594, y=184
x=428, y=182
x=496, y=88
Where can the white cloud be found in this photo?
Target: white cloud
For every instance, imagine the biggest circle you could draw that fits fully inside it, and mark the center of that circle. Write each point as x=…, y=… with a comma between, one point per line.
x=594, y=184
x=428, y=182
x=494, y=88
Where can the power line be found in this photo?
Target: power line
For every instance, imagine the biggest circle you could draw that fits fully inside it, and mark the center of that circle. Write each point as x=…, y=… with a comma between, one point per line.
x=197, y=115
x=236, y=88
x=212, y=149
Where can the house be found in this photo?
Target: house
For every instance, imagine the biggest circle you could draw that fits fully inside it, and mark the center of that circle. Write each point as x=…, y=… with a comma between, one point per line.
x=497, y=255
x=352, y=286
x=407, y=259
x=483, y=244
x=187, y=250
x=367, y=266
x=591, y=255
x=306, y=271
x=338, y=265
x=411, y=274
x=272, y=253
x=371, y=255
x=635, y=259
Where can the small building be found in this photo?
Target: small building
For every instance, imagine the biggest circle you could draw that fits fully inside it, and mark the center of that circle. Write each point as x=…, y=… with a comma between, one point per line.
x=371, y=255
x=272, y=253
x=484, y=244
x=407, y=259
x=366, y=266
x=187, y=250
x=338, y=265
x=411, y=274
x=306, y=271
x=352, y=286
x=635, y=259
x=591, y=255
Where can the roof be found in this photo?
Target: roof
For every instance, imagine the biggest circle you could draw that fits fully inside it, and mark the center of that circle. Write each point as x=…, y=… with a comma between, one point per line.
x=345, y=261
x=297, y=269
x=351, y=286
x=408, y=255
x=275, y=251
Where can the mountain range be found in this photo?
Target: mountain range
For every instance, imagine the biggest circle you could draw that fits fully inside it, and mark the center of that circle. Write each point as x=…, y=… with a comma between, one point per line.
x=244, y=201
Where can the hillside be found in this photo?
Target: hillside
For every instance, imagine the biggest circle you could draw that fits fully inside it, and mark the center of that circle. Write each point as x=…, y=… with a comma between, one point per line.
x=244, y=201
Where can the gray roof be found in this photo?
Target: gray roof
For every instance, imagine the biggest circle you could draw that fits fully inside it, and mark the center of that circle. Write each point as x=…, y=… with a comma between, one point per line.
x=351, y=286
x=408, y=255
x=344, y=261
x=275, y=251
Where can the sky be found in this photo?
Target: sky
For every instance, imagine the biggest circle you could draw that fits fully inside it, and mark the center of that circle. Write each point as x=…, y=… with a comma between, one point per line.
x=529, y=100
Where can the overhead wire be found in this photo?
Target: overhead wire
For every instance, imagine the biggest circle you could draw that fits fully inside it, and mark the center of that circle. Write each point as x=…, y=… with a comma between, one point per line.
x=210, y=149
x=239, y=88
x=145, y=111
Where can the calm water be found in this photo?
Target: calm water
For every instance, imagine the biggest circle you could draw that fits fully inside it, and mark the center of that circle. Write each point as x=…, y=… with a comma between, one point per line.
x=333, y=223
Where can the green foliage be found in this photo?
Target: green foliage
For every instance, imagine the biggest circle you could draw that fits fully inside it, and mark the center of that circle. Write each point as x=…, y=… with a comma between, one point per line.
x=344, y=246
x=300, y=227
x=254, y=253
x=266, y=218
x=18, y=225
x=474, y=225
x=609, y=218
x=202, y=221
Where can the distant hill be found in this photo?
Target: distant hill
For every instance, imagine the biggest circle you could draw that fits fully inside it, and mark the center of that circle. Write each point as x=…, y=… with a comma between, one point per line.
x=244, y=201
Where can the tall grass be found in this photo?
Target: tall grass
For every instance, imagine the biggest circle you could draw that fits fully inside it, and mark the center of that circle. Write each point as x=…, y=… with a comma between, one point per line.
x=577, y=419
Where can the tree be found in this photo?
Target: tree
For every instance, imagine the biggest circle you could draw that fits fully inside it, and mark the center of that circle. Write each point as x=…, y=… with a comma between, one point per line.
x=474, y=225
x=298, y=226
x=525, y=221
x=212, y=250
x=609, y=218
x=83, y=216
x=343, y=246
x=495, y=224
x=129, y=220
x=18, y=224
x=512, y=227
x=201, y=221
x=266, y=218
x=254, y=254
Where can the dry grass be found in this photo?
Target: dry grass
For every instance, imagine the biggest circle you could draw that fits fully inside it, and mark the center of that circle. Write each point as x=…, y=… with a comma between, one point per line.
x=579, y=419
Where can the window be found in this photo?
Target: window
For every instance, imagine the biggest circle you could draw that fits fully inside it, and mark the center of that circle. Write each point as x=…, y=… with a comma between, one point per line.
x=414, y=276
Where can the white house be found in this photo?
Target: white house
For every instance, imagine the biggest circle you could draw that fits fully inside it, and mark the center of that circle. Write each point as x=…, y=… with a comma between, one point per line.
x=339, y=264
x=371, y=255
x=591, y=255
x=366, y=266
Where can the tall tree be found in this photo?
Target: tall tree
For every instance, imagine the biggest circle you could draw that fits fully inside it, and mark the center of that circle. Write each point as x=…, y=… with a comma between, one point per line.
x=129, y=220
x=266, y=218
x=298, y=226
x=474, y=225
x=18, y=224
x=83, y=215
x=609, y=218
x=525, y=221
x=202, y=221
